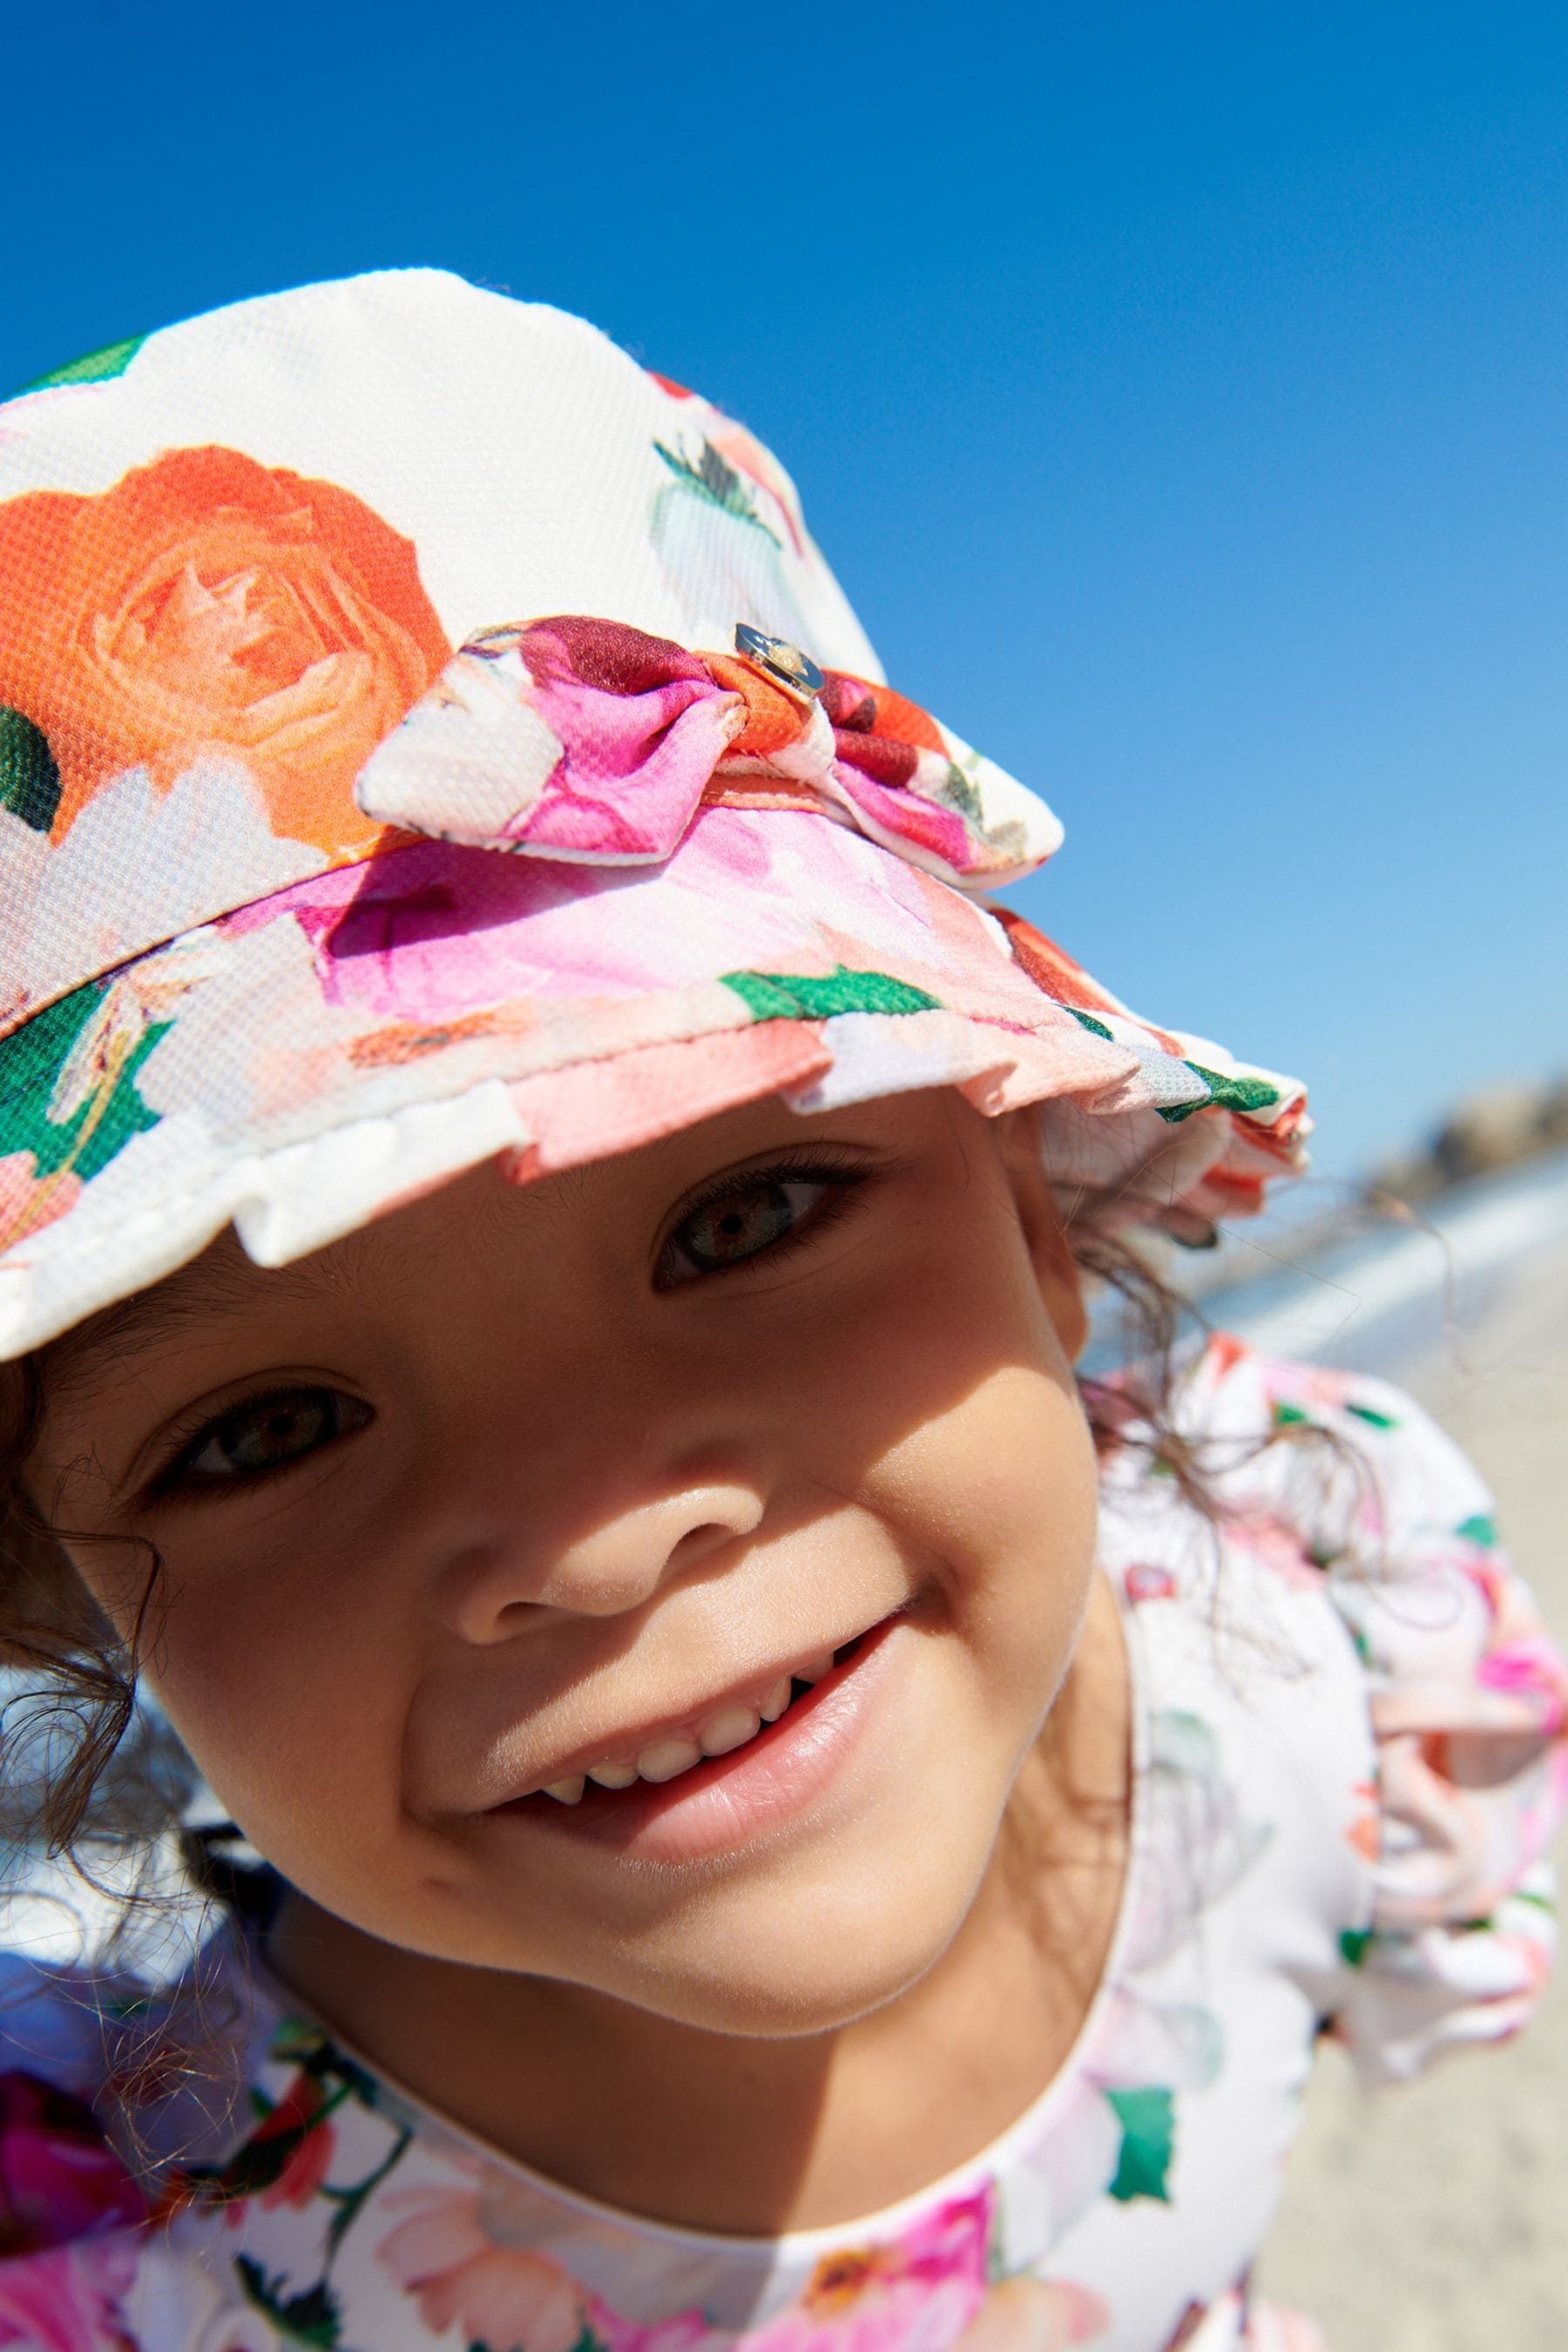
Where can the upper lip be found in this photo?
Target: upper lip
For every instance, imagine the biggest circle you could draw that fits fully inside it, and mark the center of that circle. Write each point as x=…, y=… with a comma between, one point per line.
x=628, y=1739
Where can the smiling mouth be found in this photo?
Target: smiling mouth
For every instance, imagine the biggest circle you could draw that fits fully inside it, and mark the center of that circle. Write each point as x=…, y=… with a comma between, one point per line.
x=685, y=1763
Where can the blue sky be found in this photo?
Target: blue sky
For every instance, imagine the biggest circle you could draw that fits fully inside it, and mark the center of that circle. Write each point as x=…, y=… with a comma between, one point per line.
x=1179, y=392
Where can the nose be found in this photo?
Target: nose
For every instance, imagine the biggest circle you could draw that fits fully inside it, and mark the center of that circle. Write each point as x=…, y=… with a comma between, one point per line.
x=614, y=1566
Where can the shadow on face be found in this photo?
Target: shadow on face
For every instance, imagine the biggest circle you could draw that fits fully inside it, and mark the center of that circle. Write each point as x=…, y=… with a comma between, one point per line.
x=519, y=1473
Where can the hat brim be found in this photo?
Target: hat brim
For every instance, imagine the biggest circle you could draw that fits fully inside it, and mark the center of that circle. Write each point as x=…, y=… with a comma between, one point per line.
x=300, y=1068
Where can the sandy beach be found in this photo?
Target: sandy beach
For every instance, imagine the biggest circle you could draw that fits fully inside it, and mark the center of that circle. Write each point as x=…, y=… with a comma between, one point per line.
x=1435, y=2218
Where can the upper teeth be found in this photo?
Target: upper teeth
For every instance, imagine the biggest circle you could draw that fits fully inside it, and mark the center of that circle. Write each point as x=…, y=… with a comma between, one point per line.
x=728, y=1726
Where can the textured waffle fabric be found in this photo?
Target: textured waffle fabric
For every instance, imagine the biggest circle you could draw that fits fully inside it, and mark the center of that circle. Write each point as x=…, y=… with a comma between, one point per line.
x=428, y=736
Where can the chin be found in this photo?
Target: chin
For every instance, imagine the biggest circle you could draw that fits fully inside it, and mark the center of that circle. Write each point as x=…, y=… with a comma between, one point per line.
x=770, y=2005
x=834, y=1958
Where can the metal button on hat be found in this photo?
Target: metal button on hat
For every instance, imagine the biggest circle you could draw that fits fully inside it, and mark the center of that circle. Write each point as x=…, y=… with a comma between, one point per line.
x=683, y=913
x=780, y=659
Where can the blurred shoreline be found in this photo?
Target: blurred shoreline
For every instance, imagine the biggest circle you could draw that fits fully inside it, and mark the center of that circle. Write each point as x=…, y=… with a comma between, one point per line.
x=1380, y=1286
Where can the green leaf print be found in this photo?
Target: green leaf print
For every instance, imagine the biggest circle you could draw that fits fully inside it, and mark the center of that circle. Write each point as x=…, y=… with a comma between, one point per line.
x=1287, y=1416
x=1373, y=1419
x=786, y=996
x=1354, y=1943
x=960, y=793
x=1087, y=1021
x=298, y=2043
x=102, y=1124
x=1479, y=1529
x=1148, y=2138
x=94, y=367
x=29, y=772
x=350, y=2202
x=282, y=2129
x=586, y=2342
x=311, y=2317
x=257, y=2165
x=1230, y=1094
x=714, y=479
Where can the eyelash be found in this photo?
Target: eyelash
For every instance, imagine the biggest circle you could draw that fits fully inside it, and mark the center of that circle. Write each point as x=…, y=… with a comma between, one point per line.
x=172, y=1481
x=841, y=1174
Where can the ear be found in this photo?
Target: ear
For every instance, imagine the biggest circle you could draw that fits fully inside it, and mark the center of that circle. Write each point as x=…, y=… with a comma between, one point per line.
x=1056, y=1268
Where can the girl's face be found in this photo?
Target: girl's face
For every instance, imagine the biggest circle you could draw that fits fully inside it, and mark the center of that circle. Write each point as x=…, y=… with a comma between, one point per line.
x=522, y=1485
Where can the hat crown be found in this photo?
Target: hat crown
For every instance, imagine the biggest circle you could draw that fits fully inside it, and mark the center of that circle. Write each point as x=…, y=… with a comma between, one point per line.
x=426, y=736
x=236, y=551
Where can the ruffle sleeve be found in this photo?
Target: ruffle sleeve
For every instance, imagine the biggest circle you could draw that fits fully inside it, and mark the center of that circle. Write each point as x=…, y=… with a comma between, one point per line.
x=1469, y=1701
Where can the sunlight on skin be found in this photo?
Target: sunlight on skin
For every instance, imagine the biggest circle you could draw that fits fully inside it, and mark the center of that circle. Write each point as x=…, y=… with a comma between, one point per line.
x=543, y=1466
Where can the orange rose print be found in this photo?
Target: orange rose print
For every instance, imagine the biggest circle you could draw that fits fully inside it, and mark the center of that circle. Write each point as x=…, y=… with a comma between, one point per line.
x=208, y=603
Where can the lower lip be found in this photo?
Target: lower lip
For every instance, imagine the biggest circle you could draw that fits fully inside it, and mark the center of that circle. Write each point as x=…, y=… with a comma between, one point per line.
x=735, y=1799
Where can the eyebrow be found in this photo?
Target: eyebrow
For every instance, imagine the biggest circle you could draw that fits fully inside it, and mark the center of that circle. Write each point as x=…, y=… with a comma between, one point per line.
x=135, y=1325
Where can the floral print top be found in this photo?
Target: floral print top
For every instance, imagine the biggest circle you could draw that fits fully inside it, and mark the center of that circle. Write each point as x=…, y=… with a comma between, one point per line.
x=1348, y=1762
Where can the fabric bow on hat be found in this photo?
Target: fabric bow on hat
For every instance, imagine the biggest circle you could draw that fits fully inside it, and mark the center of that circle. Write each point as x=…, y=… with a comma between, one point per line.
x=238, y=989
x=586, y=739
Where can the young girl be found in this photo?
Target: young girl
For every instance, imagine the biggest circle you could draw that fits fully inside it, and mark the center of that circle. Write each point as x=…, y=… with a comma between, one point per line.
x=542, y=1223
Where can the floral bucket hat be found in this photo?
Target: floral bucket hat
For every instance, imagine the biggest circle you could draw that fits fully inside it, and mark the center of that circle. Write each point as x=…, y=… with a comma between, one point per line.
x=427, y=735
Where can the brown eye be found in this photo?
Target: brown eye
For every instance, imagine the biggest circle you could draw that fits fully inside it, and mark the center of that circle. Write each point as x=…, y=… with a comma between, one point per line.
x=751, y=1216
x=269, y=1434
x=728, y=1231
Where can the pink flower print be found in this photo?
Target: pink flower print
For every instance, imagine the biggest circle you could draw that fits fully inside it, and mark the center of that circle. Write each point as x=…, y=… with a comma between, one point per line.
x=428, y=931
x=575, y=739
x=1224, y=1352
x=1031, y=2314
x=688, y=2331
x=1145, y=1582
x=59, y=2180
x=507, y=2297
x=871, y=2307
x=916, y=2294
x=1363, y=1832
x=28, y=1201
x=306, y=2166
x=952, y=2241
x=643, y=727
x=70, y=2299
x=1307, y=1388
x=1492, y=1578
x=1277, y=1547
x=1530, y=1669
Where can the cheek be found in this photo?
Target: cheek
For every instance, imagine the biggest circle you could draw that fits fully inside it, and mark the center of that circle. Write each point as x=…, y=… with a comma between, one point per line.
x=289, y=1698
x=988, y=1477
x=955, y=1389
x=1000, y=1492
